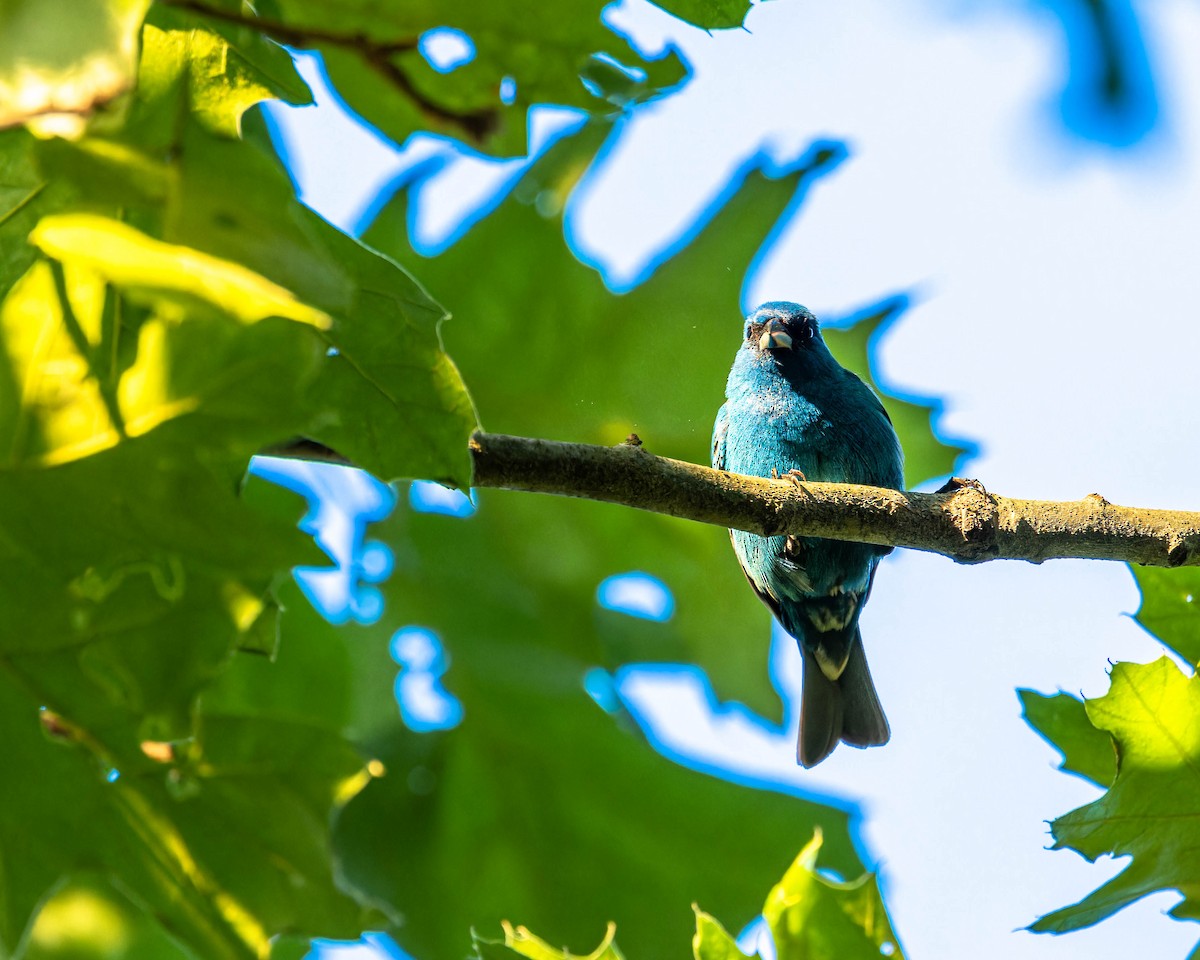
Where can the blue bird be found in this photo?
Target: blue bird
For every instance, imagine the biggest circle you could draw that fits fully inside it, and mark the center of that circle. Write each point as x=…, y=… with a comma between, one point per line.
x=792, y=410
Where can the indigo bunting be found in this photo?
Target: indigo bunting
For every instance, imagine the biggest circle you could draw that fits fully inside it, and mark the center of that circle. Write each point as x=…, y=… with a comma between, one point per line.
x=792, y=411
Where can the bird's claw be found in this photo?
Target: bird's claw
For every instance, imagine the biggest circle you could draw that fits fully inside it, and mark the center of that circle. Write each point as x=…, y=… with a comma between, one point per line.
x=795, y=478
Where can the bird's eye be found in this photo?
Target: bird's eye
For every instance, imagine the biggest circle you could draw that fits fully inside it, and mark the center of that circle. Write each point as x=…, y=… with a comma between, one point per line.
x=804, y=331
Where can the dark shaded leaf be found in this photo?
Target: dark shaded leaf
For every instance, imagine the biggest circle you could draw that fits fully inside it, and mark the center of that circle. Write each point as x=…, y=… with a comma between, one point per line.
x=1062, y=721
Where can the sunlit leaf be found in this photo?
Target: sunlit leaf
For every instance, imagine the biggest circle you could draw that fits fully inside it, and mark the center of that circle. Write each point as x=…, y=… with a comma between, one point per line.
x=520, y=942
x=61, y=59
x=712, y=941
x=224, y=70
x=234, y=237
x=1152, y=713
x=148, y=269
x=812, y=917
x=90, y=920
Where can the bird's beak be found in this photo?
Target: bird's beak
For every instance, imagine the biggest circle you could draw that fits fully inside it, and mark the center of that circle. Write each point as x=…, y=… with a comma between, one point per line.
x=774, y=337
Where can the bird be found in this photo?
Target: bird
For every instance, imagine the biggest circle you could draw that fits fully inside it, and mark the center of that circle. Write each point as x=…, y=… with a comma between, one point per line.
x=792, y=411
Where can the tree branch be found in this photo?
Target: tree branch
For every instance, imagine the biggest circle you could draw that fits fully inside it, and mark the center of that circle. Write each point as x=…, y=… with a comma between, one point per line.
x=376, y=54
x=961, y=521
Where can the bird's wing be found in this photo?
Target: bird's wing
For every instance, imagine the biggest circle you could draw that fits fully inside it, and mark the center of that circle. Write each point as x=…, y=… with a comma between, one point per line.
x=720, y=428
x=882, y=470
x=876, y=404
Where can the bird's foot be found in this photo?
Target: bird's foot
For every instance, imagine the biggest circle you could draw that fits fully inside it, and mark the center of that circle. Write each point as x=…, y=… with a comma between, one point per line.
x=795, y=477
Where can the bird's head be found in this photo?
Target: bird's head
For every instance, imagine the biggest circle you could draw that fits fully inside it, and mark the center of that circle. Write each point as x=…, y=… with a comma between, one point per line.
x=780, y=326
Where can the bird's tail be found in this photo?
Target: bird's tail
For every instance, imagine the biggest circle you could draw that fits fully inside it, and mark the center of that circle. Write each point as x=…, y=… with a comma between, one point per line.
x=846, y=709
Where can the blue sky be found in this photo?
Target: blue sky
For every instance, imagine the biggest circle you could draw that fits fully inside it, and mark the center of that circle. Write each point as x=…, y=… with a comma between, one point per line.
x=1050, y=254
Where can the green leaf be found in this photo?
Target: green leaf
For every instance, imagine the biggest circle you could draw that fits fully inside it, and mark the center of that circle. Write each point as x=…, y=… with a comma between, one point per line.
x=1062, y=721
x=712, y=941
x=1152, y=713
x=558, y=333
x=520, y=942
x=175, y=834
x=89, y=919
x=222, y=71
x=61, y=330
x=370, y=52
x=393, y=400
x=810, y=917
x=709, y=14
x=151, y=272
x=149, y=346
x=814, y=918
x=474, y=825
x=538, y=802
x=62, y=59
x=1170, y=607
x=234, y=237
x=26, y=195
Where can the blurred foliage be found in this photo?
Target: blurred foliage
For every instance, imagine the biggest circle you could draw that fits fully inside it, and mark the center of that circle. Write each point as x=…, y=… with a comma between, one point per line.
x=807, y=915
x=89, y=919
x=652, y=361
x=169, y=310
x=193, y=756
x=1109, y=91
x=61, y=58
x=566, y=57
x=534, y=804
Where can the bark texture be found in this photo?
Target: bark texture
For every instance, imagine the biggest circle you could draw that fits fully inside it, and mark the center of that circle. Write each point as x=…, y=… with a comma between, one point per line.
x=962, y=521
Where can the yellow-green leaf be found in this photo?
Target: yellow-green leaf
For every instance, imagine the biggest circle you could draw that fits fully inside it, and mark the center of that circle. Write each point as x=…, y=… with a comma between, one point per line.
x=812, y=917
x=60, y=59
x=712, y=941
x=1151, y=810
x=137, y=263
x=521, y=942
